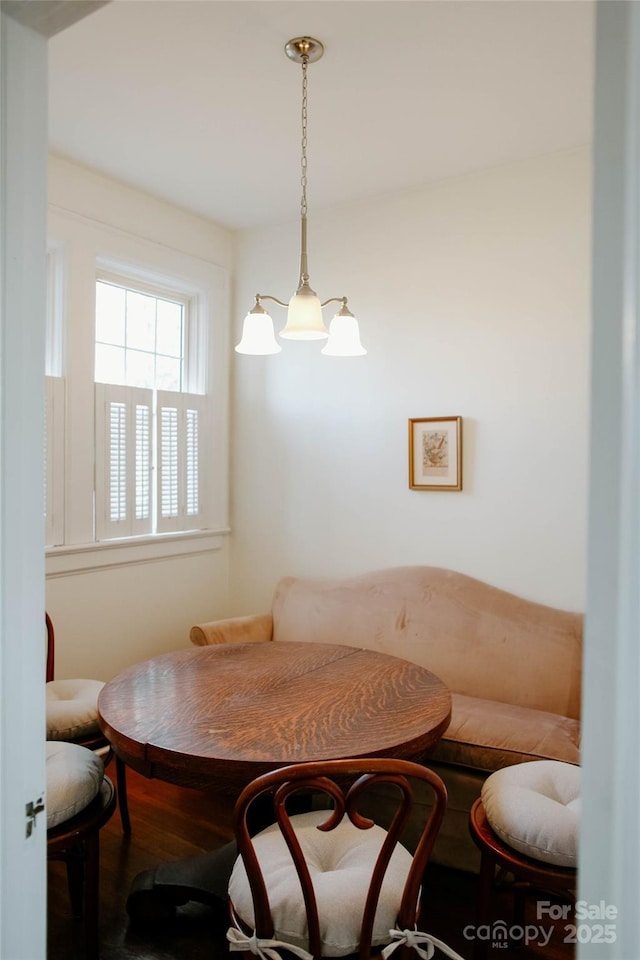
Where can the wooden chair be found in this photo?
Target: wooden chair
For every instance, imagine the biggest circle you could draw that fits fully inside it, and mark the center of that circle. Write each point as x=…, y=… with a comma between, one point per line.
x=80, y=701
x=80, y=800
x=330, y=882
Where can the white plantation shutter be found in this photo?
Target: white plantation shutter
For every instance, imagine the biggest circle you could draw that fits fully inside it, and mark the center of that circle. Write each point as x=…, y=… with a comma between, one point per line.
x=54, y=460
x=143, y=416
x=169, y=462
x=180, y=432
x=192, y=464
x=123, y=461
x=116, y=414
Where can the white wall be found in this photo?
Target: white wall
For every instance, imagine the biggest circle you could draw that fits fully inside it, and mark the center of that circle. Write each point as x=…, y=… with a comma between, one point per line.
x=473, y=299
x=107, y=619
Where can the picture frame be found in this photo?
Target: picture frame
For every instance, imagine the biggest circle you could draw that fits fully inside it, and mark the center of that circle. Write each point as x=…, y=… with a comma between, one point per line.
x=435, y=453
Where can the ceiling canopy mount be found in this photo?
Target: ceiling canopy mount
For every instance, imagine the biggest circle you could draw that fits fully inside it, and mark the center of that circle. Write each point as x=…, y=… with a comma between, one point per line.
x=304, y=47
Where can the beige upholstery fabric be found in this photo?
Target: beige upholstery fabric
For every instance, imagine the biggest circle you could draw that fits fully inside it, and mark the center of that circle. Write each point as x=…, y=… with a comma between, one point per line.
x=483, y=642
x=340, y=862
x=233, y=630
x=74, y=777
x=488, y=735
x=535, y=808
x=72, y=708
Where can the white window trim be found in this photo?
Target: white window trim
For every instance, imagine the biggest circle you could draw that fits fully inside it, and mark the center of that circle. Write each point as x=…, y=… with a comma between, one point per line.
x=88, y=248
x=55, y=390
x=54, y=354
x=55, y=398
x=89, y=557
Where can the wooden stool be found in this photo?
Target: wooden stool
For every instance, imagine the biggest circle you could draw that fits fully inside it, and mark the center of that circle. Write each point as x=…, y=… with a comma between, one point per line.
x=533, y=873
x=82, y=800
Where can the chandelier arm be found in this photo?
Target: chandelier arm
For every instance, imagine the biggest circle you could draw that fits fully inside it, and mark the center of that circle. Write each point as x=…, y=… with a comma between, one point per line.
x=342, y=300
x=266, y=296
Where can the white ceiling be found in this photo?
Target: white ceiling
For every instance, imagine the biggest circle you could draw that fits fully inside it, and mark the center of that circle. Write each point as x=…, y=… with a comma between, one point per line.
x=195, y=101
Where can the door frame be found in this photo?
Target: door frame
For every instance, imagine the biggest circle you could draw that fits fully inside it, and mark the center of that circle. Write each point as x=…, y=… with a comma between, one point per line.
x=23, y=197
x=609, y=867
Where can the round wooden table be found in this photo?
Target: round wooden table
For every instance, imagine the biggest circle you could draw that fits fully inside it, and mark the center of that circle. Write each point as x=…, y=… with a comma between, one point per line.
x=216, y=717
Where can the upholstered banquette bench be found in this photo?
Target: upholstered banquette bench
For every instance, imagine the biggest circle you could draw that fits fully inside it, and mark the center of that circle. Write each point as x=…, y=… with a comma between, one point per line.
x=513, y=666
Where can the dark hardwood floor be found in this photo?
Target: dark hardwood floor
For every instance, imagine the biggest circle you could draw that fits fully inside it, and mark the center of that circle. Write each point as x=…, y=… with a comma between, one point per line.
x=169, y=823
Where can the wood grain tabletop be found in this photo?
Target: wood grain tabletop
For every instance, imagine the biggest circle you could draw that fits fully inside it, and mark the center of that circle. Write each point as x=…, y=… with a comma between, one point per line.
x=218, y=716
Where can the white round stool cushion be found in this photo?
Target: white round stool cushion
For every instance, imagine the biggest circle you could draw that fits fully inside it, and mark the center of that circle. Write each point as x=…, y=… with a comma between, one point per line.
x=74, y=777
x=340, y=862
x=535, y=808
x=72, y=708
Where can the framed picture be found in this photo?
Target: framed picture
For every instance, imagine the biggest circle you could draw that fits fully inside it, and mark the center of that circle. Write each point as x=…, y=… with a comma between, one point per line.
x=435, y=453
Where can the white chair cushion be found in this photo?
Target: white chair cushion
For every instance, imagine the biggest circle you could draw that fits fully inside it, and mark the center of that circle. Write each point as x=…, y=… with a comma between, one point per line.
x=535, y=808
x=72, y=708
x=74, y=777
x=340, y=862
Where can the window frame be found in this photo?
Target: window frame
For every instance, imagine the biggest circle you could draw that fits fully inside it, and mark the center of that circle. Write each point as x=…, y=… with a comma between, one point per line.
x=91, y=250
x=55, y=405
x=193, y=380
x=55, y=398
x=54, y=342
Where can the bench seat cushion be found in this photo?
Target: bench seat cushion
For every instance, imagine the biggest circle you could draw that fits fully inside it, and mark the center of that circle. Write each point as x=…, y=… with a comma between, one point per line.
x=487, y=735
x=484, y=736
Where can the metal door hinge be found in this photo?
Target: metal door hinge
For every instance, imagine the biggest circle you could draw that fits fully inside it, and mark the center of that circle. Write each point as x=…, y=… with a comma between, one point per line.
x=31, y=812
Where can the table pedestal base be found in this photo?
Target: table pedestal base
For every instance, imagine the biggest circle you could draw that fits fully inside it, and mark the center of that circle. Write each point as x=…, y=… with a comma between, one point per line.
x=204, y=878
x=156, y=893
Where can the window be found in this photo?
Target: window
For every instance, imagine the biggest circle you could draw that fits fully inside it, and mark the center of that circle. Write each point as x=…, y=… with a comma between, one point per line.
x=136, y=417
x=147, y=425
x=139, y=337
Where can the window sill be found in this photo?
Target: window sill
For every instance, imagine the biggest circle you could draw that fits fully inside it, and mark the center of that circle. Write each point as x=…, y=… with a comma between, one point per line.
x=89, y=557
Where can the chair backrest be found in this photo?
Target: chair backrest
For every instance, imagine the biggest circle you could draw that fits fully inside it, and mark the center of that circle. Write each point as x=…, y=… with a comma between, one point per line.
x=51, y=648
x=344, y=782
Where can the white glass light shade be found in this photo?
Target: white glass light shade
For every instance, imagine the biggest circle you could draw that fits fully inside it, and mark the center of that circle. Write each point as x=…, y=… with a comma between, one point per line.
x=344, y=337
x=304, y=317
x=258, y=337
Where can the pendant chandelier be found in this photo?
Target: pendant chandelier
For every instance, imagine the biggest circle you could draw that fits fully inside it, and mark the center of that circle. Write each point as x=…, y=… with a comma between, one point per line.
x=304, y=313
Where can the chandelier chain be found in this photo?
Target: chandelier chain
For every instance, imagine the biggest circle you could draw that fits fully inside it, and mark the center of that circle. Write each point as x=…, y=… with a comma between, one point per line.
x=303, y=163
